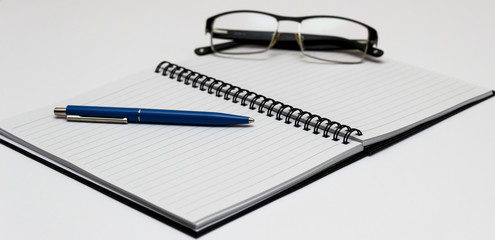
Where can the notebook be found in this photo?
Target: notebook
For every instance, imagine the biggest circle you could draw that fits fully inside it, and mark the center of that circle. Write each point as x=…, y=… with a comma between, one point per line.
x=310, y=119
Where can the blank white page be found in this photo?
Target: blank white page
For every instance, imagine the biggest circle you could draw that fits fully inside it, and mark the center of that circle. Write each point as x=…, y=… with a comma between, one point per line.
x=195, y=175
x=378, y=97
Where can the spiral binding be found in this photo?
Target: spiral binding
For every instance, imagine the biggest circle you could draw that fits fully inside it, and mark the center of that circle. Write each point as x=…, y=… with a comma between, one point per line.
x=237, y=94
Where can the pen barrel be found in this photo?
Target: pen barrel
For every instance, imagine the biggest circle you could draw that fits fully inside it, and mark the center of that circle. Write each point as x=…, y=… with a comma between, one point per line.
x=108, y=112
x=190, y=117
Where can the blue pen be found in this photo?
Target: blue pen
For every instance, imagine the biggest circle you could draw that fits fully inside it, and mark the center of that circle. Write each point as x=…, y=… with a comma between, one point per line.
x=143, y=115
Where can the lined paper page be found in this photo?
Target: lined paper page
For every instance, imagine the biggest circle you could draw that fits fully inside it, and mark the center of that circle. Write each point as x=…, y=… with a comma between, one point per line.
x=375, y=97
x=197, y=173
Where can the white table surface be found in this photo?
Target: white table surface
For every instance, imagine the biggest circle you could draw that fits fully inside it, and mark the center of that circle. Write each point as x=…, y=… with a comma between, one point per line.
x=438, y=184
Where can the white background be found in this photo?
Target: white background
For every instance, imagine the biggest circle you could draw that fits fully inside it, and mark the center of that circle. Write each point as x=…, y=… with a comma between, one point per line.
x=438, y=184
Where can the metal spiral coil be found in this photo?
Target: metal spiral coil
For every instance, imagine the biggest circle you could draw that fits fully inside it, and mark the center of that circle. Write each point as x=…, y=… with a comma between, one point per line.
x=268, y=105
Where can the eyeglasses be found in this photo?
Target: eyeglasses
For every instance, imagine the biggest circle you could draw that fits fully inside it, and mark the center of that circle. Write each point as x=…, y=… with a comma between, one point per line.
x=327, y=38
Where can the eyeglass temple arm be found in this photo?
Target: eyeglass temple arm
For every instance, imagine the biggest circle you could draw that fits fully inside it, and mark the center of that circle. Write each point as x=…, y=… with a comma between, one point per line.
x=222, y=46
x=286, y=41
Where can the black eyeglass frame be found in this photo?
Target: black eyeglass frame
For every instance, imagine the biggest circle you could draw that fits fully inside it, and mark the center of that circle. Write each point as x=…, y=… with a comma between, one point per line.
x=370, y=48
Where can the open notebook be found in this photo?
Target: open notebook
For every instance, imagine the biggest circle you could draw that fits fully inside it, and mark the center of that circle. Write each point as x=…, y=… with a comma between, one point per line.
x=309, y=118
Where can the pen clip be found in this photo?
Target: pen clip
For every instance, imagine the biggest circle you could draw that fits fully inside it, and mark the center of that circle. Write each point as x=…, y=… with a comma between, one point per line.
x=77, y=118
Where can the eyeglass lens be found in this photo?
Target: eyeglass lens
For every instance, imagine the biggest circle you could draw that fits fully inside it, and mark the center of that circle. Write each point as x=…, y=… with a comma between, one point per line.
x=334, y=39
x=248, y=32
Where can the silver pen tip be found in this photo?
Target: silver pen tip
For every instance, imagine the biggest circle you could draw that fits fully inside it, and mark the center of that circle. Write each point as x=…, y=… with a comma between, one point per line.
x=59, y=112
x=251, y=120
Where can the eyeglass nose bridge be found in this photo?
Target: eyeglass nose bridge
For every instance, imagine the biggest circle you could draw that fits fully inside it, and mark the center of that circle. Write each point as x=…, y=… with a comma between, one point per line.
x=274, y=39
x=299, y=40
x=297, y=35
